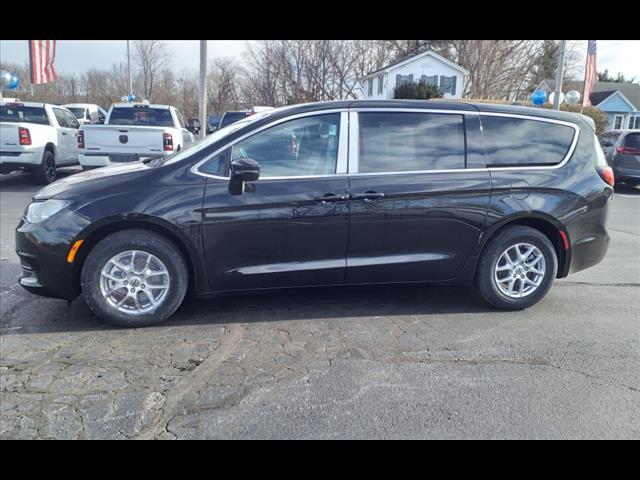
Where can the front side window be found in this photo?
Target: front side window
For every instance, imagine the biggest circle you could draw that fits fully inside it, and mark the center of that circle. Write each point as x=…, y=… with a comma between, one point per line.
x=511, y=141
x=72, y=121
x=405, y=142
x=300, y=147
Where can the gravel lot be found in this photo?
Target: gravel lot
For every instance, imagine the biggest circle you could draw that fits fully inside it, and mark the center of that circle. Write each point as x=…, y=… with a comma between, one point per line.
x=375, y=362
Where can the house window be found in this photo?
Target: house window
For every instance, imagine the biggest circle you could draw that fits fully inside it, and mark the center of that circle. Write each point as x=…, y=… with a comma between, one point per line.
x=448, y=84
x=617, y=122
x=403, y=79
x=371, y=87
x=429, y=79
x=380, y=83
x=634, y=122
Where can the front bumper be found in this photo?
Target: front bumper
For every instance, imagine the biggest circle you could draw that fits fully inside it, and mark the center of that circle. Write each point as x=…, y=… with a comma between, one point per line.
x=43, y=249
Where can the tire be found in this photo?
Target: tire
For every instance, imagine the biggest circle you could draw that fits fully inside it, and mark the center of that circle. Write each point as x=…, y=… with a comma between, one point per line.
x=45, y=173
x=156, y=247
x=486, y=274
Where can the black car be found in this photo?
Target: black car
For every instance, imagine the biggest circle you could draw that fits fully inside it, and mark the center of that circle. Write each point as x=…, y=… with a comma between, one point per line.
x=231, y=117
x=338, y=193
x=622, y=151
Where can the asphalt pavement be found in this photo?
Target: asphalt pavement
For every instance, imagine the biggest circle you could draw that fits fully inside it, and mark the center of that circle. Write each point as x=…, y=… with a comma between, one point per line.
x=361, y=362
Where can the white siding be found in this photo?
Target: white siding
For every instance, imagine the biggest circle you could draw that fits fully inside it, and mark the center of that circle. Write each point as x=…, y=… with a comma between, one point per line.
x=427, y=65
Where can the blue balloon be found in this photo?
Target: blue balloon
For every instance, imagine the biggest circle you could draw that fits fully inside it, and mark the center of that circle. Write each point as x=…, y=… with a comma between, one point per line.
x=131, y=97
x=538, y=97
x=15, y=81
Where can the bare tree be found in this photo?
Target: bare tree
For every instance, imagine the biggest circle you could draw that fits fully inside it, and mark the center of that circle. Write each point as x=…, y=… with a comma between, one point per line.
x=151, y=57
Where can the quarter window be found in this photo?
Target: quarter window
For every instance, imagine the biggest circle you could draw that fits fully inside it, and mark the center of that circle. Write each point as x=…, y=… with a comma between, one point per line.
x=513, y=141
x=300, y=147
x=404, y=142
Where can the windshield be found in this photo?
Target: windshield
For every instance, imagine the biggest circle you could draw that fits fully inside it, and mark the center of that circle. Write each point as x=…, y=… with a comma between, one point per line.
x=214, y=137
x=20, y=113
x=141, y=116
x=77, y=111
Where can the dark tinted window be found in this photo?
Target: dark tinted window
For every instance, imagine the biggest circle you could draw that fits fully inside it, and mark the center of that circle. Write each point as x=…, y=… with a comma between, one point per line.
x=217, y=165
x=516, y=142
x=398, y=141
x=632, y=140
x=230, y=117
x=304, y=146
x=143, y=116
x=17, y=114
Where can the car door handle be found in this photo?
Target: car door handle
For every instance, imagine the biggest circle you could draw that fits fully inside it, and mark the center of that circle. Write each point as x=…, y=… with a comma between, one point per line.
x=368, y=196
x=330, y=198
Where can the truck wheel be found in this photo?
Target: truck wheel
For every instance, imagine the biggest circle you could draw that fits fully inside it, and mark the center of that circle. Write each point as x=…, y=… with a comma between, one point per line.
x=45, y=173
x=134, y=278
x=517, y=268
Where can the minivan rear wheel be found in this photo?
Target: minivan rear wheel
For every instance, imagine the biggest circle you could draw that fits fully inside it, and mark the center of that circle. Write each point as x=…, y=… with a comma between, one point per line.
x=517, y=268
x=134, y=278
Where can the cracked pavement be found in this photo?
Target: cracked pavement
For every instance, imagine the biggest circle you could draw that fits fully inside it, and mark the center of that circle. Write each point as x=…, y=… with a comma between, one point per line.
x=362, y=362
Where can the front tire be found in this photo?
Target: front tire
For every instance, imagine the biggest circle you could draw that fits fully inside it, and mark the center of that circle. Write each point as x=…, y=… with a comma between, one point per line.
x=45, y=173
x=517, y=268
x=134, y=278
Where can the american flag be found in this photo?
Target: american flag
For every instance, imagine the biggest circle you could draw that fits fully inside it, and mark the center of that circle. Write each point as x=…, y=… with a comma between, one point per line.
x=42, y=54
x=590, y=73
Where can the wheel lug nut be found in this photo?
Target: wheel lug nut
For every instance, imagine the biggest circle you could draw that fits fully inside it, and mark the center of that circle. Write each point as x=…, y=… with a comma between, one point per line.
x=133, y=290
x=521, y=276
x=142, y=286
x=125, y=282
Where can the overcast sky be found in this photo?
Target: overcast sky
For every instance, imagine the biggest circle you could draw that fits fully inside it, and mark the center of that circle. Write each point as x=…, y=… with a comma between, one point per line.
x=79, y=55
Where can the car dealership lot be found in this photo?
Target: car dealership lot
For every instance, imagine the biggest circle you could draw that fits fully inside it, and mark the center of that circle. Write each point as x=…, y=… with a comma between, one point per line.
x=374, y=362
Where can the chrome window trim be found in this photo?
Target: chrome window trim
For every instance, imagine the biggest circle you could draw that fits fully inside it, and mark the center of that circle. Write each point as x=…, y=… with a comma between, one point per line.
x=354, y=151
x=349, y=138
x=340, y=163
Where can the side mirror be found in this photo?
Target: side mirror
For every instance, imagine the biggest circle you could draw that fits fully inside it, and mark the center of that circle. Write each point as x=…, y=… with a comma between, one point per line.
x=244, y=170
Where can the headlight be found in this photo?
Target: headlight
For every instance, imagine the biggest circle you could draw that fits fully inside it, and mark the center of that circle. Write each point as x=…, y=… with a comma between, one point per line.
x=39, y=211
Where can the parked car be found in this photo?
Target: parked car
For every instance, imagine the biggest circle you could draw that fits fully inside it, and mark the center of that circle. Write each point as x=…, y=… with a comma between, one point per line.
x=38, y=138
x=233, y=116
x=336, y=193
x=622, y=151
x=87, y=112
x=133, y=132
x=193, y=125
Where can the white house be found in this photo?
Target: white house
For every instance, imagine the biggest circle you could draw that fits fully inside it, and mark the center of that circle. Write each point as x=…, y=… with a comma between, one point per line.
x=427, y=66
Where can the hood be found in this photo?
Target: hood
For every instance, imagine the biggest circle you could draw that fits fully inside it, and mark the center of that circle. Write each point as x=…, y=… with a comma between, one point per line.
x=95, y=179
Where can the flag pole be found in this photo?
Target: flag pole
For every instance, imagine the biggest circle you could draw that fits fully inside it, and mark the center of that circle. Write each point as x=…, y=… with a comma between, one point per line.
x=203, y=89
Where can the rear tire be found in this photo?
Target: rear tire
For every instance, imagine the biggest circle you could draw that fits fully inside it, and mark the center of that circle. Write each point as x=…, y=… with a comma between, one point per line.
x=495, y=274
x=45, y=173
x=115, y=302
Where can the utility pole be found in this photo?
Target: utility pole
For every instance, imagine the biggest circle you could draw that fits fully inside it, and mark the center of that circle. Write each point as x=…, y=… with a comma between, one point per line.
x=559, y=72
x=129, y=68
x=202, y=103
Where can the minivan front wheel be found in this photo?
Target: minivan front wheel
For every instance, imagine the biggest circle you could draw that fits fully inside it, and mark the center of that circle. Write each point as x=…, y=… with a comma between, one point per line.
x=134, y=278
x=517, y=268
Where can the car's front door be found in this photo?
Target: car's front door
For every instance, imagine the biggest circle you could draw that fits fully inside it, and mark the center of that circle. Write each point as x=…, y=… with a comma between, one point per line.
x=67, y=141
x=288, y=228
x=419, y=197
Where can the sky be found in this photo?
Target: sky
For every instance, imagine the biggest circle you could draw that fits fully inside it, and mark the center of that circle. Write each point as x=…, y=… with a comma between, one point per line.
x=77, y=56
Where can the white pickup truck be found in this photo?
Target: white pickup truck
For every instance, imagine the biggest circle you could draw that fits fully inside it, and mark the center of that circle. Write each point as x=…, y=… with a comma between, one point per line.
x=132, y=132
x=37, y=137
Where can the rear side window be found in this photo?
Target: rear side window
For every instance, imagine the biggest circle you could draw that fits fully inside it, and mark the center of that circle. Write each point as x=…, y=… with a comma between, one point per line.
x=405, y=142
x=519, y=142
x=632, y=140
x=16, y=114
x=141, y=116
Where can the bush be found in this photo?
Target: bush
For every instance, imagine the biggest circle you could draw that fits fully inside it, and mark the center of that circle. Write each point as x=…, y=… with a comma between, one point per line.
x=418, y=91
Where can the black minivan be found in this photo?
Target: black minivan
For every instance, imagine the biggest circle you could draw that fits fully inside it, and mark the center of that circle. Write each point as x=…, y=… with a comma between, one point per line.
x=505, y=198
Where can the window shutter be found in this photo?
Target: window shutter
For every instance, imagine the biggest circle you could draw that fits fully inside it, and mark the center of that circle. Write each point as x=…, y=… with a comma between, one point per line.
x=411, y=78
x=442, y=77
x=423, y=78
x=398, y=78
x=453, y=85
